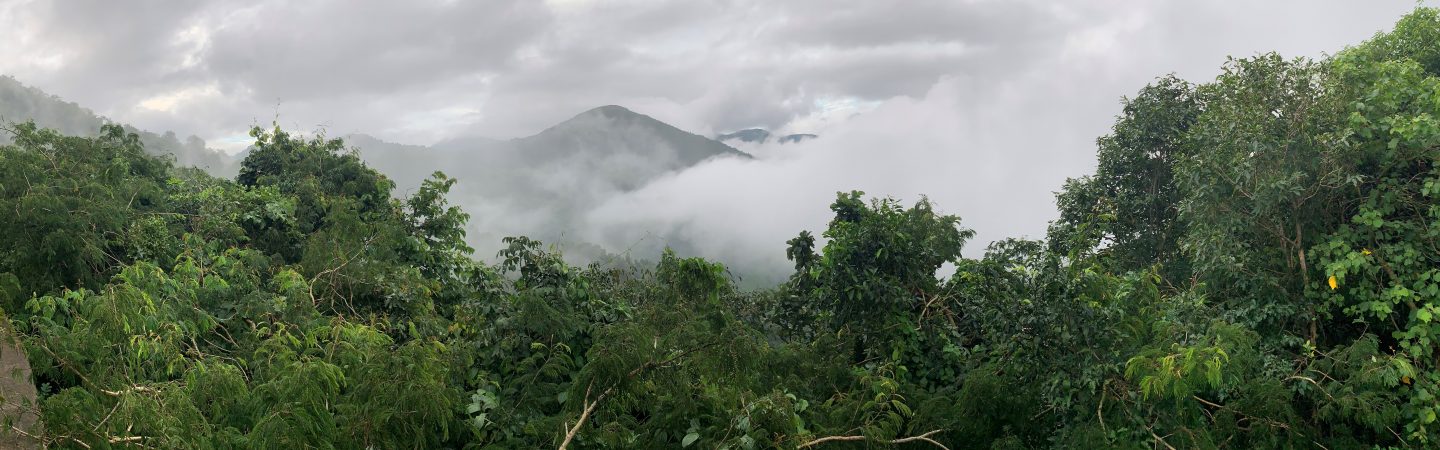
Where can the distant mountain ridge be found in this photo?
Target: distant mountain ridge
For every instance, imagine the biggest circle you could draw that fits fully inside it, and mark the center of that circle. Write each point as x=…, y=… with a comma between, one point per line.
x=760, y=136
x=622, y=147
x=19, y=103
x=545, y=184
x=614, y=128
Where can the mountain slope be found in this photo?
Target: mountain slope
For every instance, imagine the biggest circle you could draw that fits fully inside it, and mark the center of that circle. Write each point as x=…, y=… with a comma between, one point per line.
x=760, y=136
x=19, y=103
x=755, y=135
x=624, y=148
x=795, y=138
x=612, y=130
x=544, y=185
x=613, y=144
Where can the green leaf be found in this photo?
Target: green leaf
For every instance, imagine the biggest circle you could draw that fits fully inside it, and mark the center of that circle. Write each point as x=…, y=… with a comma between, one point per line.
x=689, y=439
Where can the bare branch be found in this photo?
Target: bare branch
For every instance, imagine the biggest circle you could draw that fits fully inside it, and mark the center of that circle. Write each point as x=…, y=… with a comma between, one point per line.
x=126, y=439
x=589, y=408
x=921, y=438
x=310, y=287
x=136, y=388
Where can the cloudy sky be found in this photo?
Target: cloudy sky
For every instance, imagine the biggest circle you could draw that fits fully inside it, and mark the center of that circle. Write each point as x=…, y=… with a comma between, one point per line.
x=984, y=105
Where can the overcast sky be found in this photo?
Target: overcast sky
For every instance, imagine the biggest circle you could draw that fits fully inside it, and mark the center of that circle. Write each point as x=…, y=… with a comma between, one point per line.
x=986, y=105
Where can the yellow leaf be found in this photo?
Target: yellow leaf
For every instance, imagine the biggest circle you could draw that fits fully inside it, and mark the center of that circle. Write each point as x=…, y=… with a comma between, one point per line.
x=1405, y=379
x=1334, y=283
x=1365, y=251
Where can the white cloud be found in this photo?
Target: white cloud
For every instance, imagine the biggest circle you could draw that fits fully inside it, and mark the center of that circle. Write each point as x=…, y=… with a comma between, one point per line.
x=170, y=102
x=743, y=211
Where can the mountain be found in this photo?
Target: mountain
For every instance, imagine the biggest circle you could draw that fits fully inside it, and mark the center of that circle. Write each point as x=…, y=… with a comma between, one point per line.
x=755, y=135
x=544, y=185
x=613, y=130
x=609, y=147
x=760, y=136
x=796, y=138
x=19, y=103
x=625, y=149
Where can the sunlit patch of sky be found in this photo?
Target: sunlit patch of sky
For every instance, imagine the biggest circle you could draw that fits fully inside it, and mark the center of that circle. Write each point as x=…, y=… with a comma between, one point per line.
x=172, y=101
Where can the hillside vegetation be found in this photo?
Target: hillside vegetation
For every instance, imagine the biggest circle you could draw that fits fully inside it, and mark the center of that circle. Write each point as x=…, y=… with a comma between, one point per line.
x=1254, y=264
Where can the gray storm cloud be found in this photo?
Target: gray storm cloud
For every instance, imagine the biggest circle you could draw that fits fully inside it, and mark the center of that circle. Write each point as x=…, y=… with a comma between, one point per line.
x=421, y=72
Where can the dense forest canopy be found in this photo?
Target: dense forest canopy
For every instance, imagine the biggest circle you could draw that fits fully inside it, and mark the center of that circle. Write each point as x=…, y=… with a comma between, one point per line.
x=1255, y=263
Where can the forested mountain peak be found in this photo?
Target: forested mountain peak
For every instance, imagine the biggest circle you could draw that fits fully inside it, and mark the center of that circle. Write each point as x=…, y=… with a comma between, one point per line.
x=614, y=128
x=613, y=111
x=546, y=184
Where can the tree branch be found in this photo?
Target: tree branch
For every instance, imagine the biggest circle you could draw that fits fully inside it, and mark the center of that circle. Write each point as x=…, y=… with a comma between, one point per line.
x=589, y=408
x=921, y=438
x=136, y=388
x=127, y=440
x=310, y=287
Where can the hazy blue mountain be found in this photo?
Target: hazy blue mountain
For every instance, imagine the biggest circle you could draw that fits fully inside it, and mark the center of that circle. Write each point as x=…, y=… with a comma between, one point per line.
x=794, y=138
x=466, y=143
x=19, y=103
x=614, y=130
x=406, y=164
x=609, y=148
x=544, y=185
x=754, y=135
x=760, y=136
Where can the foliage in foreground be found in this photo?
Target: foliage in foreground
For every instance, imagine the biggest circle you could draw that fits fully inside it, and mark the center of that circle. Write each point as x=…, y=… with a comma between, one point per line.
x=1255, y=264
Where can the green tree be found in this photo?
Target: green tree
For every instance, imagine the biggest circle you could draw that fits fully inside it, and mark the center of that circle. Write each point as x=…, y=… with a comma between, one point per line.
x=878, y=269
x=73, y=202
x=1129, y=207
